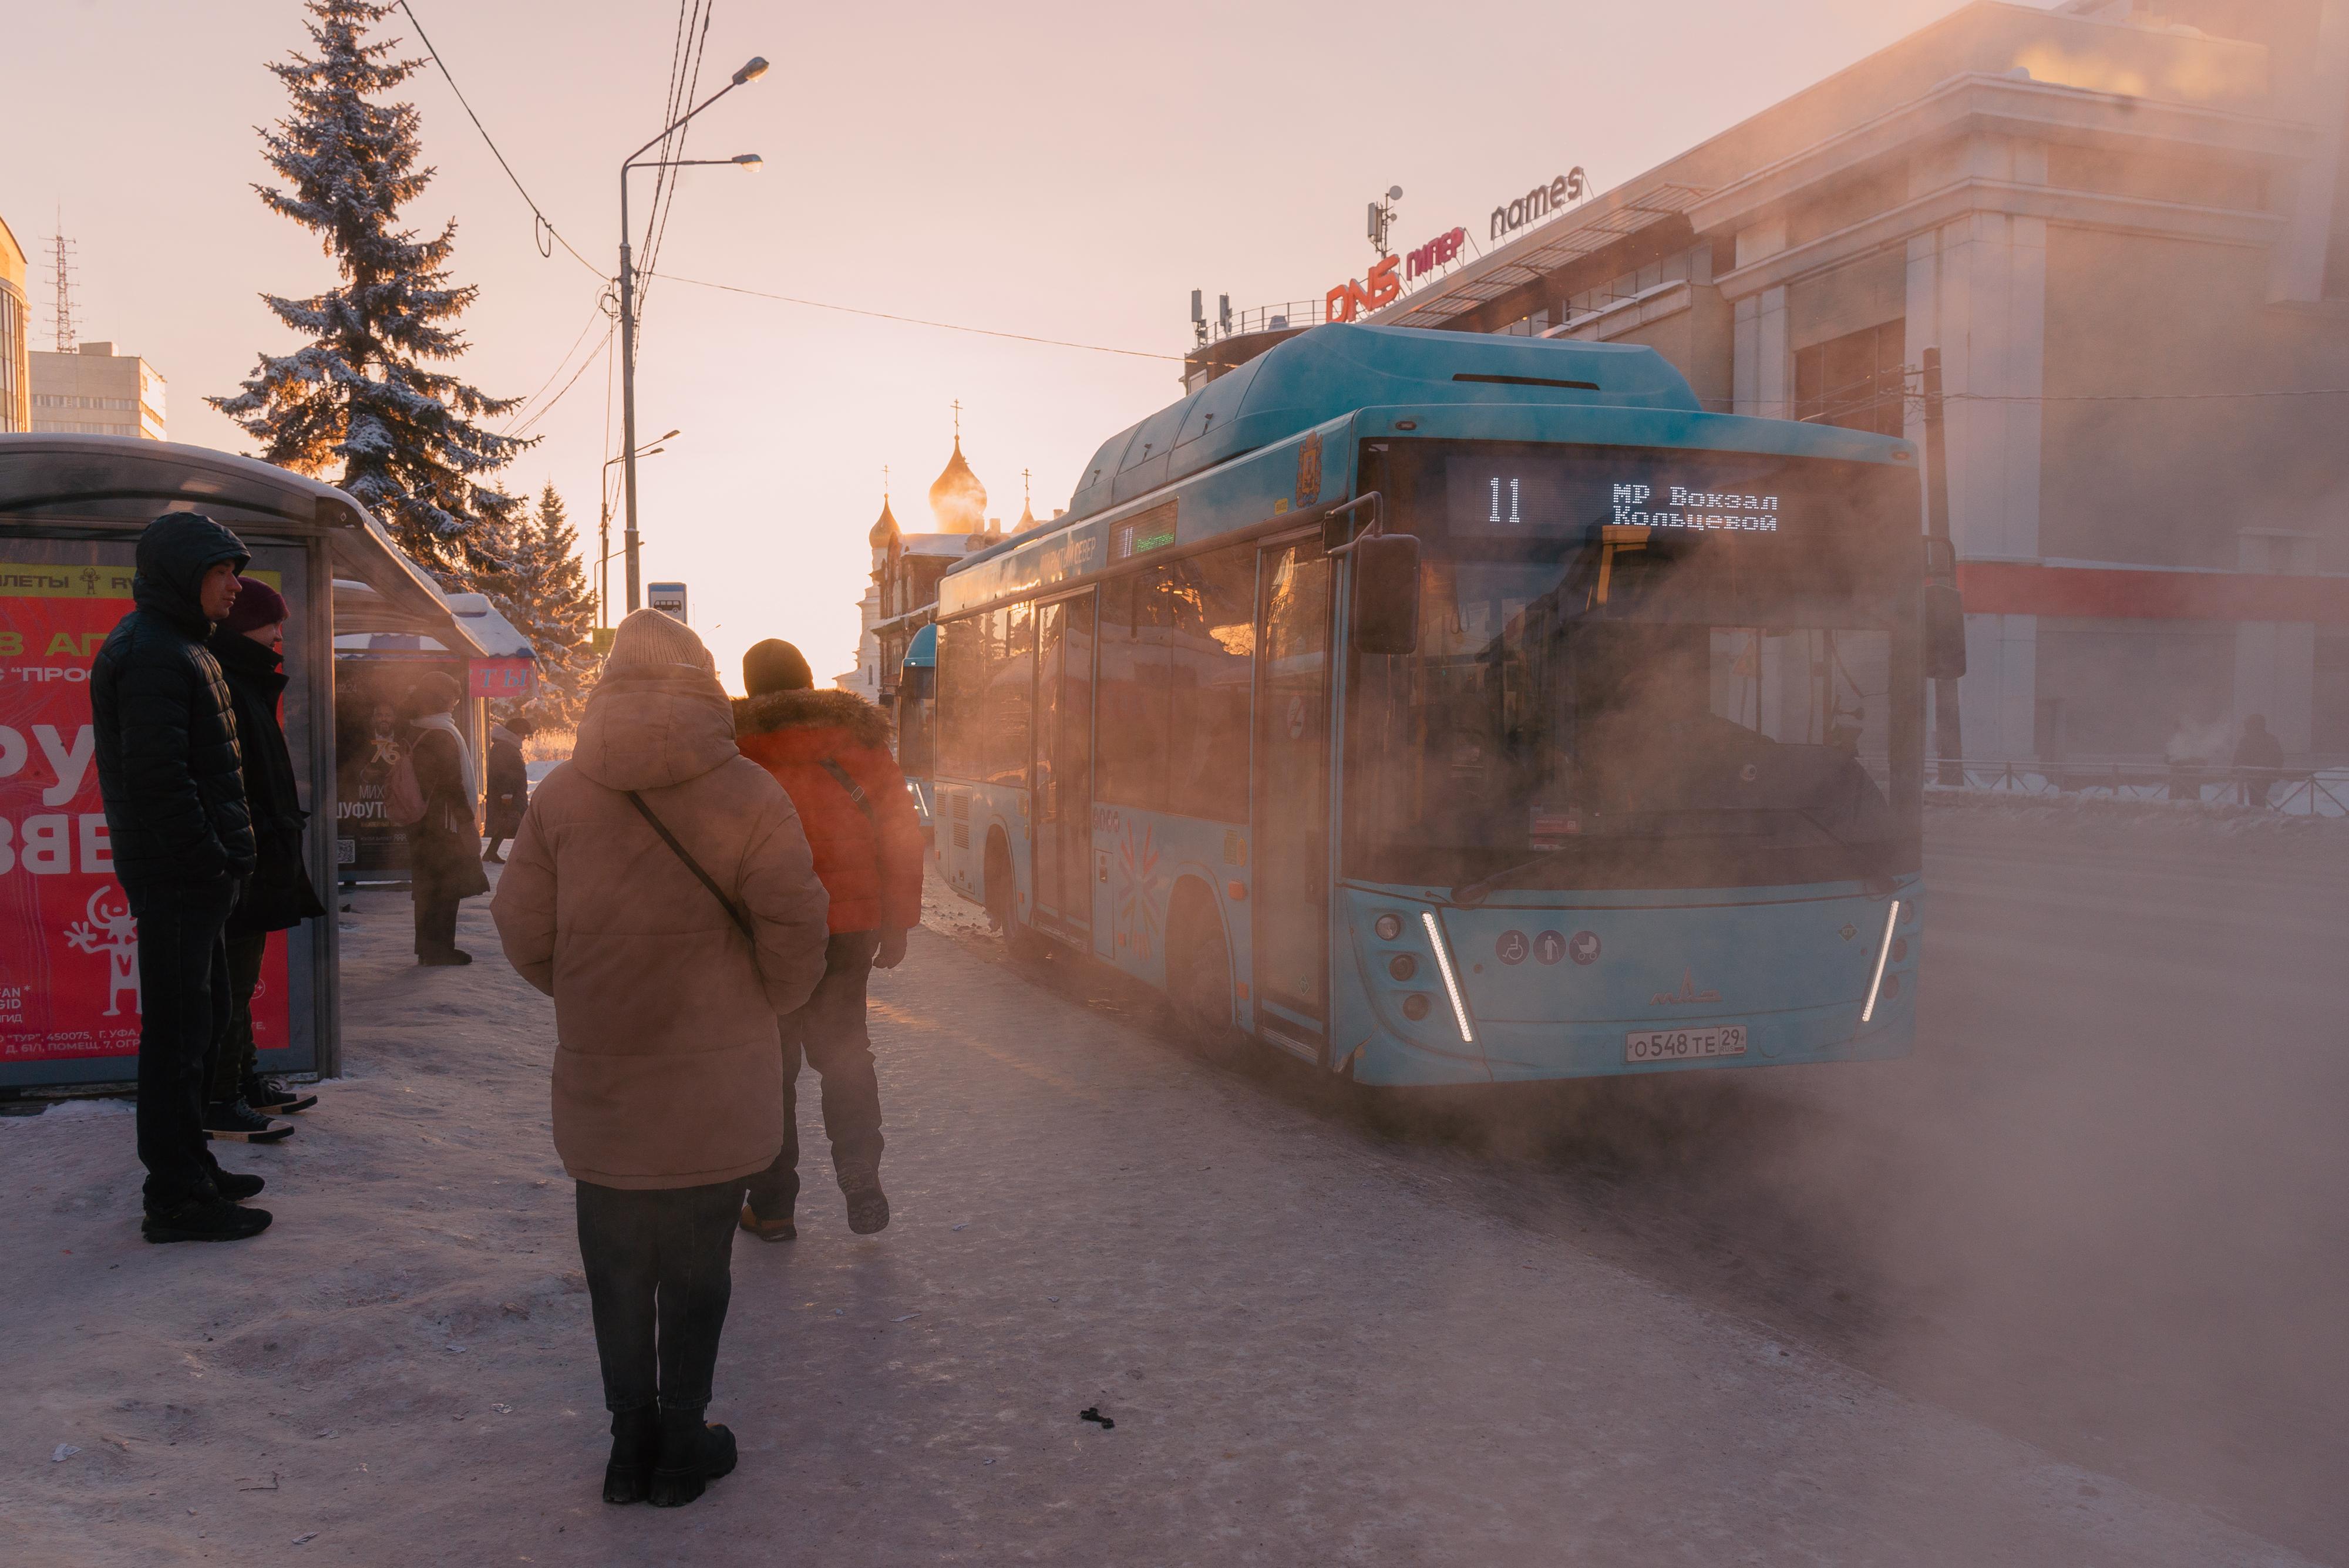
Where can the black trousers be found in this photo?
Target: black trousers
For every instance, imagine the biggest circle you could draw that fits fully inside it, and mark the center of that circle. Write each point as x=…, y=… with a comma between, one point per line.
x=236, y=1055
x=436, y=927
x=184, y=1009
x=829, y=1031
x=659, y=1268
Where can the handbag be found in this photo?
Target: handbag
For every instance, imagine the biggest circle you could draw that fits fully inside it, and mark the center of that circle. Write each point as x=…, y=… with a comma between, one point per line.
x=733, y=910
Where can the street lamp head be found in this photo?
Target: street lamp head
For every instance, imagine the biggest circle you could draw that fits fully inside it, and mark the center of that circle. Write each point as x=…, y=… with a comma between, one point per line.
x=750, y=72
x=671, y=436
x=749, y=161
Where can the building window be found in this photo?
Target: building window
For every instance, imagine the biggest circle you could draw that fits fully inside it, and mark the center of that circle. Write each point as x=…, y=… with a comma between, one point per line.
x=1857, y=381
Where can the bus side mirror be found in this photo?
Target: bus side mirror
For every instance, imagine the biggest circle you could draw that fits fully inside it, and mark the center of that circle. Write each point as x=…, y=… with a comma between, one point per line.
x=1386, y=594
x=1945, y=632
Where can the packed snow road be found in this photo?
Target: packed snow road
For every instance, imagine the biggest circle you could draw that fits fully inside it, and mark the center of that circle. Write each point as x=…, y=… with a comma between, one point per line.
x=1767, y=1319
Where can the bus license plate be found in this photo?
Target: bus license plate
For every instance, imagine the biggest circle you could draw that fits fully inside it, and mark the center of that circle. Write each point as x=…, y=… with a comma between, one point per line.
x=1684, y=1045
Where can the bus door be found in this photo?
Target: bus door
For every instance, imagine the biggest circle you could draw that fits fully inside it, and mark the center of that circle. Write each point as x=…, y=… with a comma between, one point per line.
x=1064, y=771
x=1290, y=922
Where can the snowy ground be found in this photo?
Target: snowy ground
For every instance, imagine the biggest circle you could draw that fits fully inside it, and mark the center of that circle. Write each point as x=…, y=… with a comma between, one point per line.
x=1319, y=1344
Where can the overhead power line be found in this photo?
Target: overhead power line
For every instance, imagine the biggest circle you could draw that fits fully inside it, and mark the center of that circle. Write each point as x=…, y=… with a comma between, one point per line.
x=539, y=218
x=584, y=365
x=918, y=321
x=528, y=412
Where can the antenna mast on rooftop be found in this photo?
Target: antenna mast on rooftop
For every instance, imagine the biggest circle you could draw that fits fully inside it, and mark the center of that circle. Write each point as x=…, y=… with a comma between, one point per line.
x=62, y=310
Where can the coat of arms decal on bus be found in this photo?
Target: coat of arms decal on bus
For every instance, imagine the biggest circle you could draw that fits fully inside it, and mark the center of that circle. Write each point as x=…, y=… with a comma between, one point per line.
x=1309, y=468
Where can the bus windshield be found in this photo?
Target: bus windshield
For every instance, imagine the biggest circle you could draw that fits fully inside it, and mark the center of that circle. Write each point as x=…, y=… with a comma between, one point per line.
x=1640, y=668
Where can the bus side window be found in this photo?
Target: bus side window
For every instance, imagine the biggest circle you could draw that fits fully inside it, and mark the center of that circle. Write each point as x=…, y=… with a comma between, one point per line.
x=1009, y=685
x=1129, y=698
x=961, y=690
x=1212, y=648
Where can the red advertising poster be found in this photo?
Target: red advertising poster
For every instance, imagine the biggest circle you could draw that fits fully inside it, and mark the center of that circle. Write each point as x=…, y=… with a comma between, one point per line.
x=68, y=945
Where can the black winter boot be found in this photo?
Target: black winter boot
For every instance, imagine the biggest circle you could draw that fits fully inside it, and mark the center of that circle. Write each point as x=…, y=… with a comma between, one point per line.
x=868, y=1206
x=210, y=1218
x=636, y=1444
x=236, y=1186
x=692, y=1454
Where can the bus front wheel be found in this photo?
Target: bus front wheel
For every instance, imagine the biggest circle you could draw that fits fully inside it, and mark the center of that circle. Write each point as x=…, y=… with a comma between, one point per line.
x=1001, y=892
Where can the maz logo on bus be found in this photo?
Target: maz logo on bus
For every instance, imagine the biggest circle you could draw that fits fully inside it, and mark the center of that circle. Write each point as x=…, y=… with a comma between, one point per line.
x=1737, y=514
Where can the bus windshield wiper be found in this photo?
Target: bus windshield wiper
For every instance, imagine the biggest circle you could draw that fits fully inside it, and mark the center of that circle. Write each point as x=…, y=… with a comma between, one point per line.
x=1476, y=892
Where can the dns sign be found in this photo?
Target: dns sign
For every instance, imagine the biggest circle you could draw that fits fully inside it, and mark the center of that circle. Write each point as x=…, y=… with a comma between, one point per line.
x=1382, y=288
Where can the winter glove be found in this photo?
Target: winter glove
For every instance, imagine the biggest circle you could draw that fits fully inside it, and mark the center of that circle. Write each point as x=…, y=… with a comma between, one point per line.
x=892, y=951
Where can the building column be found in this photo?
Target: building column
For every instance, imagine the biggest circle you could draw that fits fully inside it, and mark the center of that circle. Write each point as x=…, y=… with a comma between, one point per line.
x=2296, y=267
x=2275, y=675
x=1978, y=291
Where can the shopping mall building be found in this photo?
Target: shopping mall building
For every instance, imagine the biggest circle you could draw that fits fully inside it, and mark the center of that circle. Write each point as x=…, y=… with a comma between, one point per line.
x=2124, y=225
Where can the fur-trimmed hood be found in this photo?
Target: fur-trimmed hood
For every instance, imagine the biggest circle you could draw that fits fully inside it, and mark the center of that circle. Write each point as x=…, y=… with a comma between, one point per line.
x=866, y=724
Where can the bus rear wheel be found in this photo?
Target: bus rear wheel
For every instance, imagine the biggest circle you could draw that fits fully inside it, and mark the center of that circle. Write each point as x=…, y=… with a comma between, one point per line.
x=1199, y=983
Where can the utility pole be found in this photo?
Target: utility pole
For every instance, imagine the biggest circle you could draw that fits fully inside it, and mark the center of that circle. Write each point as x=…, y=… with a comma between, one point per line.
x=628, y=389
x=751, y=71
x=1949, y=729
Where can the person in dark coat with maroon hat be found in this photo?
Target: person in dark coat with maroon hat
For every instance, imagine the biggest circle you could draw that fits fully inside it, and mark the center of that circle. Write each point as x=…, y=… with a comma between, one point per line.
x=250, y=645
x=830, y=751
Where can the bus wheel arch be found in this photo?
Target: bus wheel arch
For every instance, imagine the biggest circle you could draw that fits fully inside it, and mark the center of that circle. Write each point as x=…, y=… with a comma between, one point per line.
x=999, y=884
x=1200, y=976
x=999, y=894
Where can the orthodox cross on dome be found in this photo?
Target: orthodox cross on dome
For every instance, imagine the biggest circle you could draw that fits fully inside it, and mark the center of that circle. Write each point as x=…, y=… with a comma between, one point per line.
x=1027, y=504
x=956, y=406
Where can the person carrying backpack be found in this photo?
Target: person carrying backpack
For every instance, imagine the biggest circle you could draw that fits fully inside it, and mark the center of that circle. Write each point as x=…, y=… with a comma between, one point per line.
x=829, y=750
x=661, y=891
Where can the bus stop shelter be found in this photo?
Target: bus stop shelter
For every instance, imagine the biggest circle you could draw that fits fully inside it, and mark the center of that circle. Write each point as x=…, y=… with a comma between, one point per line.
x=71, y=510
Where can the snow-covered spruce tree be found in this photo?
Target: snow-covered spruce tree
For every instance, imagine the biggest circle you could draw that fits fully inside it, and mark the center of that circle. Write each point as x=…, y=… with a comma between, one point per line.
x=361, y=393
x=546, y=595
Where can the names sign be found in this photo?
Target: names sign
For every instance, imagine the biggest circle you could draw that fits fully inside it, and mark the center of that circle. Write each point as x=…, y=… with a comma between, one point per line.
x=1540, y=202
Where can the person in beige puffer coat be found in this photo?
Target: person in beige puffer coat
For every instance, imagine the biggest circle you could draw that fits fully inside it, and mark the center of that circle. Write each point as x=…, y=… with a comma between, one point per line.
x=668, y=1076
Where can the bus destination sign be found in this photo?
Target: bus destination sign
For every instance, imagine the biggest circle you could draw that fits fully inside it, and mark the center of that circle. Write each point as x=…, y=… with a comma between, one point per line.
x=1710, y=511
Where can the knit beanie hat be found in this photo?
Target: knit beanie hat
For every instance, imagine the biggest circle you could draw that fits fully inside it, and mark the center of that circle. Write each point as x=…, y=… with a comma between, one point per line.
x=648, y=637
x=775, y=665
x=257, y=605
x=433, y=693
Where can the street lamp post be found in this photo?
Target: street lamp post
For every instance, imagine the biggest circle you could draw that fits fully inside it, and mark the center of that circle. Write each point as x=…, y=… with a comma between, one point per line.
x=604, y=528
x=751, y=71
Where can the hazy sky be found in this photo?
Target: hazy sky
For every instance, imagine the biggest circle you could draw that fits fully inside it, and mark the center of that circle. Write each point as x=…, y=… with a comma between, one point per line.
x=1066, y=171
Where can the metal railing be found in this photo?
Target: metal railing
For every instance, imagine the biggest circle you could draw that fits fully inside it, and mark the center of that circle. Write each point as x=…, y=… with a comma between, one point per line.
x=2292, y=792
x=1288, y=315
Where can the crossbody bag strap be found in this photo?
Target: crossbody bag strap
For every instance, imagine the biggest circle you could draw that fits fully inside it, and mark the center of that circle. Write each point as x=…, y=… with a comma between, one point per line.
x=855, y=790
x=733, y=910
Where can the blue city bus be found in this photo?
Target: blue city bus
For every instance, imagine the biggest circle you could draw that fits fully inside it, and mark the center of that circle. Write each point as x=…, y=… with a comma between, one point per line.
x=917, y=707
x=1444, y=709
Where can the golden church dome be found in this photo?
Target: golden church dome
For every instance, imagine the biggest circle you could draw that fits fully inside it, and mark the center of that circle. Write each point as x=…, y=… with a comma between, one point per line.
x=957, y=500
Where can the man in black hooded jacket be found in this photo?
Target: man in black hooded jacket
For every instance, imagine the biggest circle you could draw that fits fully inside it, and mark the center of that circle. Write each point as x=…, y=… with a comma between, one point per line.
x=172, y=778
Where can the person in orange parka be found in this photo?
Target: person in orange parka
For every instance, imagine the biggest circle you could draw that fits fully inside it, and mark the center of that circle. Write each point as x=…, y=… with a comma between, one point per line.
x=830, y=751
